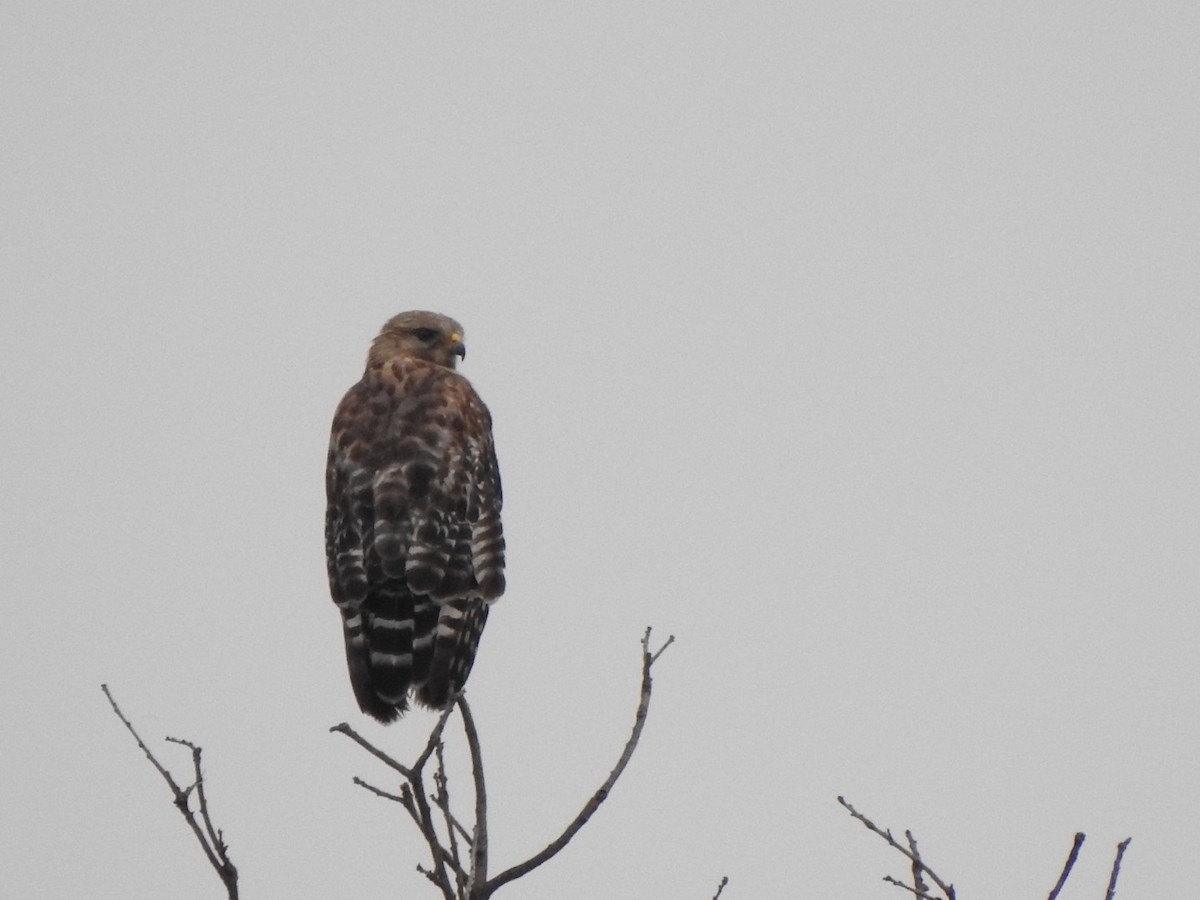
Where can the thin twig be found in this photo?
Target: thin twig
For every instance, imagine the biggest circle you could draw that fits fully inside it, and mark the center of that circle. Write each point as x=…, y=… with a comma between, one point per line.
x=1116, y=869
x=425, y=820
x=378, y=792
x=431, y=876
x=216, y=839
x=923, y=895
x=639, y=722
x=918, y=882
x=210, y=838
x=441, y=856
x=435, y=736
x=479, y=841
x=1070, y=864
x=458, y=826
x=947, y=889
x=724, y=880
x=142, y=744
x=415, y=800
x=349, y=732
x=660, y=650
x=441, y=799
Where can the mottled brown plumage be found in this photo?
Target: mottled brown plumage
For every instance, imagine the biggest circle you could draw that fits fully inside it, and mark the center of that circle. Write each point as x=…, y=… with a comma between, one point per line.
x=414, y=544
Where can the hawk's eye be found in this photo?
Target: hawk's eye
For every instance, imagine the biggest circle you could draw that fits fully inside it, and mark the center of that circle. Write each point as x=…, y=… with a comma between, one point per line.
x=425, y=334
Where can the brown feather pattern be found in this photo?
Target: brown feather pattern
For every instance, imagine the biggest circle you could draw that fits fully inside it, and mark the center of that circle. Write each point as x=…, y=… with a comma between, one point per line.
x=414, y=543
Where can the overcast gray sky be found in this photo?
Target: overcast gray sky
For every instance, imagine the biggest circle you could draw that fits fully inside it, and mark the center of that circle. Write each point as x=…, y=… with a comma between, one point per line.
x=852, y=343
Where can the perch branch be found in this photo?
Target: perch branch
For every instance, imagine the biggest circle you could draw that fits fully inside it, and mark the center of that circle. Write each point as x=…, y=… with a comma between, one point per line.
x=479, y=840
x=471, y=882
x=441, y=799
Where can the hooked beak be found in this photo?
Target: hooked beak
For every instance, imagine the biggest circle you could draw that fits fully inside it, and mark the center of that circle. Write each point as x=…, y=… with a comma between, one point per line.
x=457, y=347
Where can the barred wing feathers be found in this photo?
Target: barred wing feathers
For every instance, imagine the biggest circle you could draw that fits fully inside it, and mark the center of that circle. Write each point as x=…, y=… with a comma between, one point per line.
x=414, y=543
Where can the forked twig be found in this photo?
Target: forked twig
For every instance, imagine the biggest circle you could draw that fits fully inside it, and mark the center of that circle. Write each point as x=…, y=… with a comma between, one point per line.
x=211, y=839
x=472, y=882
x=918, y=863
x=920, y=869
x=918, y=882
x=414, y=798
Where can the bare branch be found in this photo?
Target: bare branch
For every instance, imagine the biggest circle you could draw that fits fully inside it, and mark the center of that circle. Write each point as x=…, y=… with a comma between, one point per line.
x=349, y=732
x=146, y=750
x=210, y=838
x=441, y=799
x=379, y=792
x=1070, y=864
x=461, y=830
x=923, y=895
x=432, y=877
x=1116, y=869
x=724, y=878
x=659, y=652
x=424, y=818
x=475, y=885
x=947, y=889
x=215, y=838
x=479, y=841
x=639, y=722
x=435, y=736
x=415, y=800
x=918, y=881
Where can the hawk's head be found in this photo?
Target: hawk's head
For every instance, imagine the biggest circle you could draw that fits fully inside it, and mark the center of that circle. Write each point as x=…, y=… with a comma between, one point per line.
x=424, y=335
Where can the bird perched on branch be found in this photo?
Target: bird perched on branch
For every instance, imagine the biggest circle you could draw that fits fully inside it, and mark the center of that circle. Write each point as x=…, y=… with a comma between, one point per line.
x=413, y=540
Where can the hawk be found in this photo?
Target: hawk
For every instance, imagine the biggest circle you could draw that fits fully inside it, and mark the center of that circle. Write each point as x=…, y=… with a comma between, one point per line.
x=413, y=540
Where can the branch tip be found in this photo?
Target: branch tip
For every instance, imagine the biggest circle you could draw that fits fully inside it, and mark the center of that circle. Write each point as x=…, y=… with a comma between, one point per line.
x=919, y=865
x=1116, y=869
x=1080, y=837
x=210, y=838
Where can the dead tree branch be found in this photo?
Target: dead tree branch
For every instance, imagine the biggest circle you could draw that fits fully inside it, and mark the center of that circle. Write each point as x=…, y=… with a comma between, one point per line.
x=211, y=838
x=415, y=800
x=920, y=869
x=479, y=840
x=1116, y=869
x=919, y=866
x=922, y=895
x=470, y=878
x=921, y=888
x=1080, y=837
x=639, y=721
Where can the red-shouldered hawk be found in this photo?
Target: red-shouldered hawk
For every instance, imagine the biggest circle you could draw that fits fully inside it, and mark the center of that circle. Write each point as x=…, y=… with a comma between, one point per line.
x=413, y=540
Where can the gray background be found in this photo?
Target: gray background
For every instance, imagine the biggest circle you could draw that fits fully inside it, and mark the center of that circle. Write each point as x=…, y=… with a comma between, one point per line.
x=854, y=344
